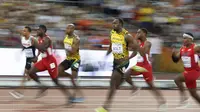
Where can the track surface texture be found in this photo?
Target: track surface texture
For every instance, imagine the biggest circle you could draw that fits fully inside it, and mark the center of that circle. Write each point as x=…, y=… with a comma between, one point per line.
x=123, y=101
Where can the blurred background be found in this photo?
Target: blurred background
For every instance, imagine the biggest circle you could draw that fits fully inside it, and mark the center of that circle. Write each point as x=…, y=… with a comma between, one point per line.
x=166, y=20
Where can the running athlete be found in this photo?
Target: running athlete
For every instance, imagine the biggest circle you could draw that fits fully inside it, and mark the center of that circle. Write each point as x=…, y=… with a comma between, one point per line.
x=48, y=62
x=71, y=45
x=27, y=42
x=121, y=43
x=143, y=61
x=189, y=55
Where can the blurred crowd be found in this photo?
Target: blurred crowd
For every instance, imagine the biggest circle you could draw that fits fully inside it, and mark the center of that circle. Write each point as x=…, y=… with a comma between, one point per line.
x=164, y=19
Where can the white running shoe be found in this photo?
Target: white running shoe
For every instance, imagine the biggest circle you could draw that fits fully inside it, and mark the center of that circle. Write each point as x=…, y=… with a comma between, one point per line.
x=183, y=104
x=162, y=107
x=136, y=91
x=16, y=95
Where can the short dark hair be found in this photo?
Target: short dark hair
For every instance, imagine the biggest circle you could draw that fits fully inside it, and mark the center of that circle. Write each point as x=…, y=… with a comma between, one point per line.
x=144, y=30
x=43, y=27
x=29, y=28
x=120, y=21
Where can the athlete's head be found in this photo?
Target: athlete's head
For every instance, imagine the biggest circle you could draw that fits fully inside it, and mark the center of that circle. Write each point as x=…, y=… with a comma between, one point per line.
x=42, y=30
x=70, y=29
x=141, y=33
x=187, y=39
x=26, y=31
x=117, y=24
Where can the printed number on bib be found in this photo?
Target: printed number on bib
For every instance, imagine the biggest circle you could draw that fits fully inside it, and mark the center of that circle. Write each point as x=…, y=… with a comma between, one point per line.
x=52, y=65
x=29, y=52
x=68, y=47
x=186, y=61
x=117, y=48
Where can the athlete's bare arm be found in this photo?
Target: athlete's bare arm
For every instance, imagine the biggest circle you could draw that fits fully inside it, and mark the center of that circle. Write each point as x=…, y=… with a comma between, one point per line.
x=75, y=46
x=132, y=45
x=110, y=47
x=197, y=49
x=42, y=47
x=145, y=50
x=175, y=55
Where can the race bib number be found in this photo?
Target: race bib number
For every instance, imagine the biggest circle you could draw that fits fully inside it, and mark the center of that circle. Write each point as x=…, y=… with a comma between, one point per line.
x=68, y=47
x=29, y=53
x=117, y=48
x=52, y=65
x=186, y=61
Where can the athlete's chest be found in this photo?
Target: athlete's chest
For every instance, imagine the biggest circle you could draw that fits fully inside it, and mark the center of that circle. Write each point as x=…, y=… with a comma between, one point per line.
x=117, y=38
x=26, y=42
x=40, y=40
x=68, y=41
x=187, y=52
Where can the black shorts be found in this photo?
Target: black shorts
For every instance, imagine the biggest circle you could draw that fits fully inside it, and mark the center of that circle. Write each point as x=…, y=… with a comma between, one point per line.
x=73, y=64
x=120, y=67
x=28, y=63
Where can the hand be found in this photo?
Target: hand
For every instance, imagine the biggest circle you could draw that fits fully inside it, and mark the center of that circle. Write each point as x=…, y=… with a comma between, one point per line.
x=34, y=60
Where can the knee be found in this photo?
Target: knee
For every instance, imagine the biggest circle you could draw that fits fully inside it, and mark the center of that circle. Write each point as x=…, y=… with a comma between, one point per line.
x=193, y=93
x=60, y=69
x=56, y=81
x=31, y=72
x=176, y=80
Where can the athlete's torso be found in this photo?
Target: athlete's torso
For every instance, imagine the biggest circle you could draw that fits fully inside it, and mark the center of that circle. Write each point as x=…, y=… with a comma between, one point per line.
x=119, y=44
x=143, y=59
x=48, y=52
x=189, y=57
x=28, y=48
x=68, y=42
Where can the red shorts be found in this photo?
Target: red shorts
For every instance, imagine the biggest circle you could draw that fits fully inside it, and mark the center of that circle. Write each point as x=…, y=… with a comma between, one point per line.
x=191, y=77
x=148, y=76
x=50, y=64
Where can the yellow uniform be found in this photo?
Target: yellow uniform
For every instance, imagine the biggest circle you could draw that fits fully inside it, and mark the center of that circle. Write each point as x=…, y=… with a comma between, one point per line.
x=119, y=45
x=72, y=60
x=68, y=45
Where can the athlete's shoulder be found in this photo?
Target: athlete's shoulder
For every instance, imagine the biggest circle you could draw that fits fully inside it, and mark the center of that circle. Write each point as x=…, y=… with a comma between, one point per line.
x=32, y=37
x=147, y=42
x=76, y=37
x=47, y=36
x=125, y=31
x=112, y=31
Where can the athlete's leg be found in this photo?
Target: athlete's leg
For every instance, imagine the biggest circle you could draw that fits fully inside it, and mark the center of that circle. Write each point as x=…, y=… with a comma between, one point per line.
x=62, y=67
x=156, y=92
x=190, y=81
x=193, y=93
x=53, y=71
x=179, y=82
x=129, y=80
x=114, y=84
x=18, y=92
x=38, y=67
x=68, y=95
x=75, y=68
